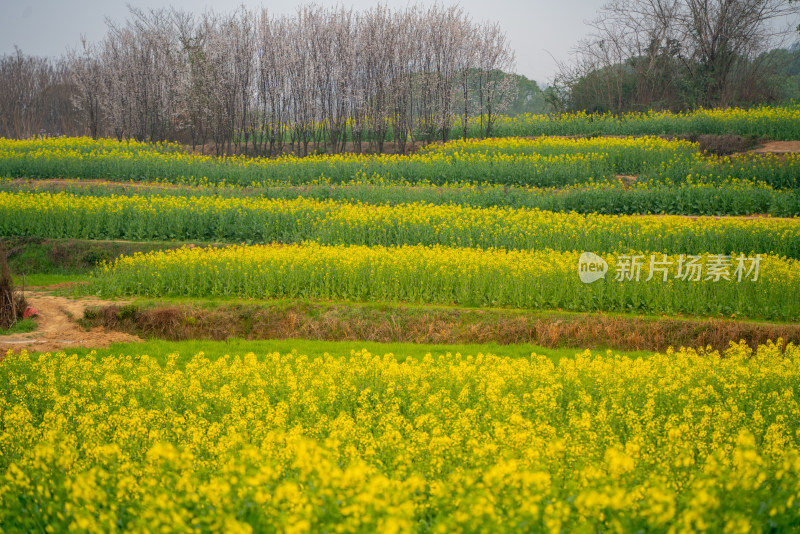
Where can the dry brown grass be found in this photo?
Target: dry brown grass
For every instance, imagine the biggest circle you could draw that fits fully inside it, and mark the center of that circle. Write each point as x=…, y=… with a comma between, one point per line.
x=436, y=326
x=721, y=145
x=12, y=302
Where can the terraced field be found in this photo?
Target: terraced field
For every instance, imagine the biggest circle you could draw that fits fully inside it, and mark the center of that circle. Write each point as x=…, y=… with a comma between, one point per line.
x=604, y=335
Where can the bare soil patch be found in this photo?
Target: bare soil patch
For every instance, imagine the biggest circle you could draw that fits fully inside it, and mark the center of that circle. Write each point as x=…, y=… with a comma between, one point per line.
x=737, y=217
x=57, y=328
x=721, y=145
x=210, y=149
x=777, y=147
x=628, y=180
x=84, y=182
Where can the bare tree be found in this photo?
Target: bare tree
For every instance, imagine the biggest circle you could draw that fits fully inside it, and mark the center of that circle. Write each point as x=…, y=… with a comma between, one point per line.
x=36, y=97
x=495, y=87
x=675, y=53
x=86, y=72
x=194, y=83
x=405, y=64
x=721, y=32
x=273, y=82
x=251, y=82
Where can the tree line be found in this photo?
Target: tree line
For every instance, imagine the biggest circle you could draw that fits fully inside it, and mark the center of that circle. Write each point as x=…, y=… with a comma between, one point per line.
x=335, y=79
x=252, y=82
x=679, y=54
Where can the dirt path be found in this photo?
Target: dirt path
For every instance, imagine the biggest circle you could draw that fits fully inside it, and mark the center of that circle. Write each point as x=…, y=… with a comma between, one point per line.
x=92, y=181
x=778, y=147
x=57, y=329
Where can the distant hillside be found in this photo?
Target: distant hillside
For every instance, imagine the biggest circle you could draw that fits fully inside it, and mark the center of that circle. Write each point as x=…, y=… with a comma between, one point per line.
x=787, y=71
x=530, y=98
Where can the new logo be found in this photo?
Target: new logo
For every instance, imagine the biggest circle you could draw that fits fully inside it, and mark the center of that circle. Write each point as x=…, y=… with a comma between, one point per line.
x=591, y=267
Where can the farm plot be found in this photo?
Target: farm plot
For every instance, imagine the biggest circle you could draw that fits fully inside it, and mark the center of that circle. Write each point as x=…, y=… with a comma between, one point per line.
x=163, y=436
x=681, y=441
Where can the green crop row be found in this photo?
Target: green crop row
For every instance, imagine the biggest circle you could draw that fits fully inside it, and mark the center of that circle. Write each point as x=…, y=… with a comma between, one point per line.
x=755, y=286
x=541, y=162
x=611, y=198
x=215, y=219
x=769, y=122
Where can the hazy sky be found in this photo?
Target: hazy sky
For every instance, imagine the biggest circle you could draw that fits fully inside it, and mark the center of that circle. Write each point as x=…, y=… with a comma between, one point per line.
x=537, y=28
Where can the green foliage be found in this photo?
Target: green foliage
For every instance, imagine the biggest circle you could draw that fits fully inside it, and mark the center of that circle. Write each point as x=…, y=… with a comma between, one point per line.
x=264, y=439
x=232, y=220
x=611, y=198
x=20, y=327
x=539, y=162
x=529, y=99
x=538, y=279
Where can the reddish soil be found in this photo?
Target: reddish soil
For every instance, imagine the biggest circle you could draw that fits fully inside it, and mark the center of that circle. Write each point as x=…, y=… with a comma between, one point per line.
x=737, y=217
x=57, y=330
x=771, y=147
x=627, y=179
x=85, y=182
x=777, y=147
x=740, y=217
x=209, y=149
